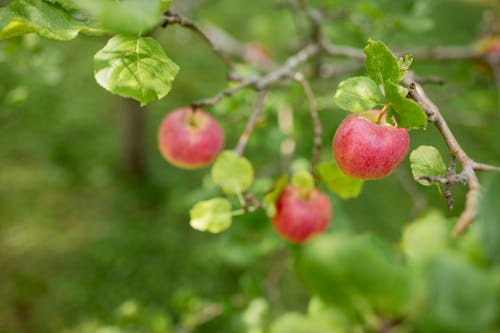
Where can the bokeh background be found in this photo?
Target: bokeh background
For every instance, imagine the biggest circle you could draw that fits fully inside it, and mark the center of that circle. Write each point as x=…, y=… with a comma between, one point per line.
x=94, y=228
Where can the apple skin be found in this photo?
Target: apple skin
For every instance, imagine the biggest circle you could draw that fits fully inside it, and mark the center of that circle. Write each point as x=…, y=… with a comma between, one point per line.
x=300, y=216
x=367, y=150
x=190, y=140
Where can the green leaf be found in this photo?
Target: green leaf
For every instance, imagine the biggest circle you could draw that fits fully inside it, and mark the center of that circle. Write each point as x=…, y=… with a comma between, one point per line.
x=426, y=161
x=345, y=270
x=125, y=17
x=36, y=16
x=426, y=237
x=358, y=94
x=135, y=67
x=489, y=212
x=304, y=180
x=381, y=64
x=232, y=172
x=273, y=195
x=66, y=4
x=211, y=215
x=460, y=298
x=407, y=112
x=346, y=187
x=296, y=323
x=404, y=65
x=334, y=318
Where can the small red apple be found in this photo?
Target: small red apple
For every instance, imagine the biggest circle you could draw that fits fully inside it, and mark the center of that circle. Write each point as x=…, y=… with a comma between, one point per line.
x=300, y=215
x=190, y=139
x=367, y=149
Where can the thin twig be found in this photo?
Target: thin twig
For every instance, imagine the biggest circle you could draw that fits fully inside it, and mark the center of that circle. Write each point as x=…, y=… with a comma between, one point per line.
x=317, y=130
x=445, y=53
x=172, y=18
x=315, y=19
x=267, y=81
x=485, y=167
x=224, y=93
x=342, y=50
x=259, y=107
x=288, y=68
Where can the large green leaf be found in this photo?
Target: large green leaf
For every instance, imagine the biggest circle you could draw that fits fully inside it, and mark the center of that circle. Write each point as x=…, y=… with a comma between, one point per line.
x=358, y=94
x=346, y=187
x=407, y=112
x=426, y=238
x=297, y=323
x=135, y=67
x=489, y=217
x=460, y=298
x=212, y=215
x=347, y=271
x=426, y=161
x=125, y=17
x=48, y=20
x=233, y=173
x=381, y=64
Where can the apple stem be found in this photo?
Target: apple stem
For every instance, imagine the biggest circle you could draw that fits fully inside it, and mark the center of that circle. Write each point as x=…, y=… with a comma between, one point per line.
x=192, y=117
x=382, y=114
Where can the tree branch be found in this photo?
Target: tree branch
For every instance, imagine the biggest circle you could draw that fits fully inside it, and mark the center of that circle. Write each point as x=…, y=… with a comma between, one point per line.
x=259, y=107
x=172, y=18
x=317, y=130
x=267, y=81
x=469, y=166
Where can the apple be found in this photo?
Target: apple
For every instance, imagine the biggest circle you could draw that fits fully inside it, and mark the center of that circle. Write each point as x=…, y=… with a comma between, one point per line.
x=365, y=146
x=190, y=139
x=490, y=46
x=301, y=214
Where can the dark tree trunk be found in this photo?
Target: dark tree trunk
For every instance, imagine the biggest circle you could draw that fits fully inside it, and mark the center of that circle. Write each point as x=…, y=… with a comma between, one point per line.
x=133, y=151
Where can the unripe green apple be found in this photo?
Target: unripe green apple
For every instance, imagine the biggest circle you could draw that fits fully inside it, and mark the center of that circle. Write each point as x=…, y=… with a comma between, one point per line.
x=367, y=147
x=301, y=214
x=190, y=139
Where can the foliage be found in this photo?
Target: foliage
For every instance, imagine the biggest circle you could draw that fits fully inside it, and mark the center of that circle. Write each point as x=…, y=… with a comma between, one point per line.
x=89, y=245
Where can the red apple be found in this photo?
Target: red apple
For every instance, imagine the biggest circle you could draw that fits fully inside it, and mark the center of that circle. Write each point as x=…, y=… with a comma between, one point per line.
x=364, y=148
x=301, y=215
x=190, y=139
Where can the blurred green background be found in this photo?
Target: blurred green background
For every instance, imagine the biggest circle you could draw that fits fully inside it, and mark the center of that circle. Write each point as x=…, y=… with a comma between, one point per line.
x=94, y=223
